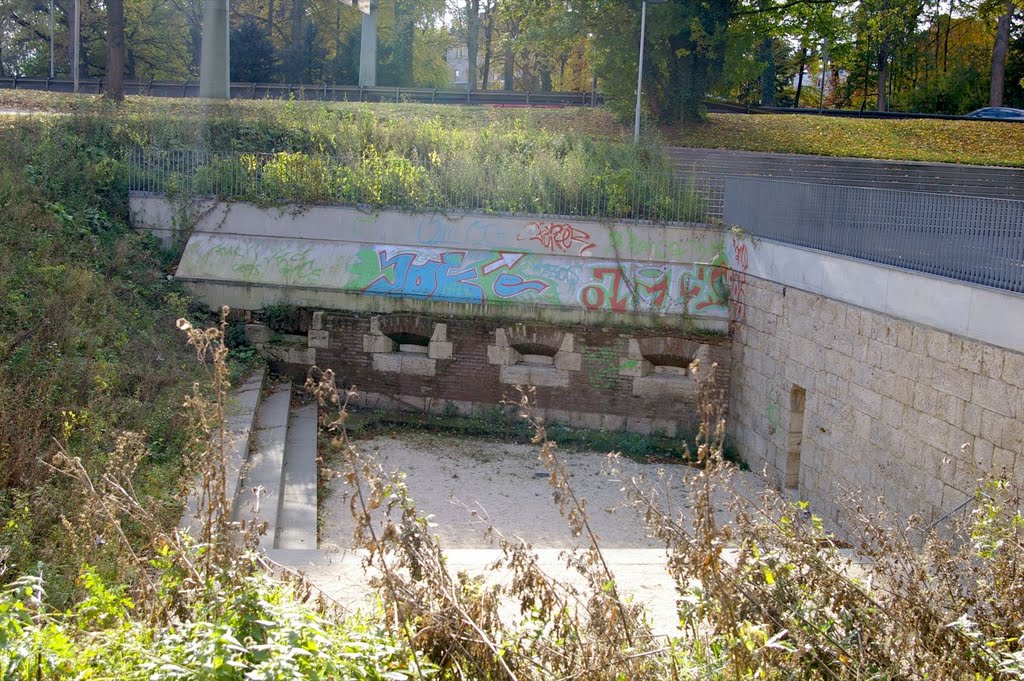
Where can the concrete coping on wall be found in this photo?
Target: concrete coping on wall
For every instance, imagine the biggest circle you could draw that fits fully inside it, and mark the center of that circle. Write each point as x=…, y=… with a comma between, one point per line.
x=977, y=312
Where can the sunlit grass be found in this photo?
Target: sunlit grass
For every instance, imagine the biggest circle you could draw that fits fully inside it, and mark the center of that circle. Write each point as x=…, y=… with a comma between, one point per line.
x=946, y=141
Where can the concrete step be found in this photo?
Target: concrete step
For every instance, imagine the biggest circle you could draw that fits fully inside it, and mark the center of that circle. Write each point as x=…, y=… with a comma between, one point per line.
x=296, y=527
x=240, y=417
x=266, y=460
x=298, y=558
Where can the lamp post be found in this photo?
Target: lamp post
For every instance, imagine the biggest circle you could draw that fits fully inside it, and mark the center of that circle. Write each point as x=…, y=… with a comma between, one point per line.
x=51, y=39
x=640, y=68
x=77, y=38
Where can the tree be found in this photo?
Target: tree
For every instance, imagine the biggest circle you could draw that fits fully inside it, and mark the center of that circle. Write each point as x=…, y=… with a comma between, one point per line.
x=684, y=53
x=305, y=61
x=252, y=53
x=114, y=84
x=997, y=74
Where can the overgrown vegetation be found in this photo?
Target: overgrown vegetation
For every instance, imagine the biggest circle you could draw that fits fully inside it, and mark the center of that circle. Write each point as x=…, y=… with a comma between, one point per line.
x=506, y=426
x=311, y=127
x=87, y=347
x=769, y=596
x=91, y=451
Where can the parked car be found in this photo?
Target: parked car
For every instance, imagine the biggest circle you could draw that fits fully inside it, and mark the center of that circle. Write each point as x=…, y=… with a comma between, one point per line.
x=1002, y=113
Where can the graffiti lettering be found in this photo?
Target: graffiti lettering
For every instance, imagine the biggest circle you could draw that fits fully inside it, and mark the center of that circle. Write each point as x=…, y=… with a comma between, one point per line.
x=648, y=289
x=419, y=276
x=296, y=266
x=594, y=296
x=700, y=289
x=443, y=275
x=511, y=285
x=557, y=237
x=707, y=287
x=565, y=274
x=464, y=233
x=738, y=282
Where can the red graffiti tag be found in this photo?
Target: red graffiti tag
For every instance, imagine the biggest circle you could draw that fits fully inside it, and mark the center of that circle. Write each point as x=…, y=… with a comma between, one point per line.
x=737, y=282
x=557, y=237
x=593, y=296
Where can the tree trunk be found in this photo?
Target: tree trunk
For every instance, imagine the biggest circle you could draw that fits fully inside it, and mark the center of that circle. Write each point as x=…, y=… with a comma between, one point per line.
x=883, y=75
x=405, y=34
x=489, y=12
x=298, y=19
x=270, y=18
x=997, y=82
x=337, y=40
x=800, y=77
x=114, y=83
x=472, y=40
x=510, y=67
x=545, y=78
x=768, y=72
x=945, y=44
x=72, y=20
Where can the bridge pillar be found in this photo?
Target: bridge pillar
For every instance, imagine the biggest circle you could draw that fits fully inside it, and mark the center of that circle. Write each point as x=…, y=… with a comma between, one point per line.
x=215, y=55
x=368, y=48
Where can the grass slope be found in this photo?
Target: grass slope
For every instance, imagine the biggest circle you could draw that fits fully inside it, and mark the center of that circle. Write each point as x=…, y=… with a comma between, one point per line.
x=945, y=141
x=88, y=347
x=970, y=142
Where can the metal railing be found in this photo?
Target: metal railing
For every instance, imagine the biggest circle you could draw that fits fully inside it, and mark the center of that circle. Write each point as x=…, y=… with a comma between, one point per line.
x=977, y=240
x=319, y=92
x=391, y=181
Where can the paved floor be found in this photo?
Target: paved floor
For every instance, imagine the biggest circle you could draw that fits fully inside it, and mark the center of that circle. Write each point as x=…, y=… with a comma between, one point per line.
x=446, y=474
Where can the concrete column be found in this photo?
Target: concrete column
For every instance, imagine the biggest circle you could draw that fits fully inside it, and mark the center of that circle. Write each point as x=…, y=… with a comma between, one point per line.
x=368, y=49
x=215, y=57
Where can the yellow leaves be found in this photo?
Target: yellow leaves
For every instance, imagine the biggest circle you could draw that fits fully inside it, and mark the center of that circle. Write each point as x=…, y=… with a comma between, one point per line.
x=948, y=141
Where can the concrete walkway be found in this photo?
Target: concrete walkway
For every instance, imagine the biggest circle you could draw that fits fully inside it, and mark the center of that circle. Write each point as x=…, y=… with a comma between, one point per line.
x=640, y=574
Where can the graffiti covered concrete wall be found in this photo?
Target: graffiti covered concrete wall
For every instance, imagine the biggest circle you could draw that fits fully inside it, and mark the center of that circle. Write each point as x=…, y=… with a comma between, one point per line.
x=497, y=261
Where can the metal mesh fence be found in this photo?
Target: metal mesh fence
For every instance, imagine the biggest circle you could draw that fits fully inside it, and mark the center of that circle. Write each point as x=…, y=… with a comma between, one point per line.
x=978, y=240
x=391, y=181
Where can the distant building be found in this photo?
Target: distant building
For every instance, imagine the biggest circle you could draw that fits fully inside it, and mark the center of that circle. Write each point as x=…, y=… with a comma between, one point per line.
x=458, y=63
x=812, y=80
x=457, y=58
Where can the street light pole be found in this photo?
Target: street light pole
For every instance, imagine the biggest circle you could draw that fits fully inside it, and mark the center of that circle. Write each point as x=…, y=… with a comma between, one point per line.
x=51, y=39
x=74, y=50
x=640, y=73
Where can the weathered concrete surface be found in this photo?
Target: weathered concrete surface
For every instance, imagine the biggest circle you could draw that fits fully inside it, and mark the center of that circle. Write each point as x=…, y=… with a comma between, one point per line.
x=334, y=257
x=640, y=573
x=976, y=312
x=296, y=527
x=259, y=494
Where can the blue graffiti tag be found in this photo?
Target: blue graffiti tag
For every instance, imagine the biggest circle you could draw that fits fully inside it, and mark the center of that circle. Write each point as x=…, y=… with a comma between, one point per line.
x=443, y=278
x=509, y=285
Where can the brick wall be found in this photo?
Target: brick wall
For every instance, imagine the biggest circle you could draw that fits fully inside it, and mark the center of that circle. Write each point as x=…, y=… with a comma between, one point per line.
x=891, y=408
x=584, y=376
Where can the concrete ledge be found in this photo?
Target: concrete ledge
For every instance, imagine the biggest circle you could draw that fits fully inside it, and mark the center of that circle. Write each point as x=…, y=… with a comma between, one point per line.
x=253, y=296
x=565, y=417
x=259, y=494
x=297, y=518
x=977, y=312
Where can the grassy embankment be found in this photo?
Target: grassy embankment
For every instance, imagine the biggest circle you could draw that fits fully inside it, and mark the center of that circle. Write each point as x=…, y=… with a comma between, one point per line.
x=87, y=345
x=971, y=142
